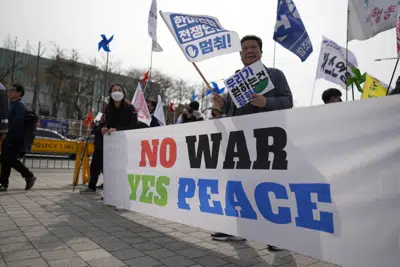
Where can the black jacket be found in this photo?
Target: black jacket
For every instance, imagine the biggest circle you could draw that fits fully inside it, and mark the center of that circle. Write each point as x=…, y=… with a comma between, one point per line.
x=98, y=137
x=154, y=121
x=16, y=118
x=122, y=118
x=3, y=111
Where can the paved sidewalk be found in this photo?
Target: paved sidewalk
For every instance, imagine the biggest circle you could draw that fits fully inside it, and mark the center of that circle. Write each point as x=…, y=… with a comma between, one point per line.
x=52, y=226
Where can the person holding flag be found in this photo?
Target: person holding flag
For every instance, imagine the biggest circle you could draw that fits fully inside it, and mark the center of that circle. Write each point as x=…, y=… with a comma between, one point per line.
x=151, y=105
x=96, y=165
x=276, y=99
x=119, y=114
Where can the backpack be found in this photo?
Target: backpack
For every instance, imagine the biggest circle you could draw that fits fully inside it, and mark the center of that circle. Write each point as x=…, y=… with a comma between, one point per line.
x=30, y=126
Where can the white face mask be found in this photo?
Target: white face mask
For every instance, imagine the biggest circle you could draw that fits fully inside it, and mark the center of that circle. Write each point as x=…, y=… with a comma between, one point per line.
x=117, y=96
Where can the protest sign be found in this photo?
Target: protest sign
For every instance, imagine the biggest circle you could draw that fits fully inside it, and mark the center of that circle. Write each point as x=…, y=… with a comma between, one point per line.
x=253, y=79
x=201, y=37
x=367, y=18
x=139, y=102
x=322, y=187
x=332, y=63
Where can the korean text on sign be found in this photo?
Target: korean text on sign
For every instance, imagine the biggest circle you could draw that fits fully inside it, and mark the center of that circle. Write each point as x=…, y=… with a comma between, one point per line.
x=191, y=28
x=201, y=37
x=379, y=14
x=253, y=79
x=333, y=66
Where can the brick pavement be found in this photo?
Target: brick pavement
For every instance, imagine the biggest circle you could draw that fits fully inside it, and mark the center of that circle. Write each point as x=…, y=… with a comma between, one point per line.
x=52, y=226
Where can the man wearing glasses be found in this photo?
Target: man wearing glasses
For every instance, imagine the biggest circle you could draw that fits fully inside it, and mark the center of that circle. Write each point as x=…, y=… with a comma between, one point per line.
x=13, y=145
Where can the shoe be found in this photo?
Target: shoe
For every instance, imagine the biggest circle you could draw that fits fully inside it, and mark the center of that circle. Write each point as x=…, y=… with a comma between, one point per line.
x=273, y=248
x=100, y=187
x=87, y=191
x=226, y=237
x=30, y=182
x=3, y=188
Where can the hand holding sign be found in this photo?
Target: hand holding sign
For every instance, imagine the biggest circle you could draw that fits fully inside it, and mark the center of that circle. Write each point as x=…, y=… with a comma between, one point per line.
x=258, y=100
x=253, y=79
x=218, y=100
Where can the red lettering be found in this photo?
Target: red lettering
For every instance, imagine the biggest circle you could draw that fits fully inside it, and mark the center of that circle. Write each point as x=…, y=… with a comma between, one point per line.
x=150, y=151
x=170, y=143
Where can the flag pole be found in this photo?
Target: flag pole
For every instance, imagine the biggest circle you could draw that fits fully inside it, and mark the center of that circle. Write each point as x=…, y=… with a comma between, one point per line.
x=273, y=64
x=202, y=76
x=391, y=79
x=151, y=68
x=347, y=52
x=105, y=82
x=313, y=90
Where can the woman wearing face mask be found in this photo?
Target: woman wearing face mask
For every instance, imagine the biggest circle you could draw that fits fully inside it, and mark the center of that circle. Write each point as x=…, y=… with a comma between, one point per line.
x=120, y=115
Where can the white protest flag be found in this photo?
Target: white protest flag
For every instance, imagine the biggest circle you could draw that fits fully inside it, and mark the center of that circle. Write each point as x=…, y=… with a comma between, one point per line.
x=159, y=111
x=152, y=21
x=98, y=116
x=201, y=37
x=332, y=63
x=367, y=18
x=139, y=102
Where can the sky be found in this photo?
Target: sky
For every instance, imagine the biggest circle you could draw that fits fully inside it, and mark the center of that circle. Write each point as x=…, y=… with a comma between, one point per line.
x=77, y=25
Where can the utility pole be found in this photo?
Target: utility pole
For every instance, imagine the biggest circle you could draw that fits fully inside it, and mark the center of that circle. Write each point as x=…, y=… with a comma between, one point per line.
x=13, y=59
x=37, y=83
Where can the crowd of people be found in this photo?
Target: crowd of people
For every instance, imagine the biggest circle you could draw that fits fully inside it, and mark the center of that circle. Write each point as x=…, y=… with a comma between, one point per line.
x=120, y=115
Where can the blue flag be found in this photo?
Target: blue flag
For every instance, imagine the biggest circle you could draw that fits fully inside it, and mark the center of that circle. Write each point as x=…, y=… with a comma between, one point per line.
x=194, y=96
x=216, y=89
x=290, y=31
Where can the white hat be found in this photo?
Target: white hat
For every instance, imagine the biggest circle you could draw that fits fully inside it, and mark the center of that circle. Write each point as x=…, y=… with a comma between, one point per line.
x=2, y=87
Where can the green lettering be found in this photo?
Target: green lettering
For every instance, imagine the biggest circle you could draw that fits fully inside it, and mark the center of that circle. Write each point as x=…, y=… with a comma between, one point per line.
x=134, y=183
x=162, y=199
x=147, y=182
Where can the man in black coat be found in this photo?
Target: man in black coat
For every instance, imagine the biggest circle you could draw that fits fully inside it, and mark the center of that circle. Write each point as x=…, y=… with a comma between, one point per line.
x=3, y=112
x=14, y=143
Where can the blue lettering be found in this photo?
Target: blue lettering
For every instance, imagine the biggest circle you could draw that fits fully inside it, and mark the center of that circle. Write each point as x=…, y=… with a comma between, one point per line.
x=235, y=188
x=204, y=197
x=305, y=206
x=264, y=203
x=187, y=188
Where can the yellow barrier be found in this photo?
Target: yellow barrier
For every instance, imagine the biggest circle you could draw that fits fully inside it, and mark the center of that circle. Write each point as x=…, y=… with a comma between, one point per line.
x=40, y=145
x=85, y=164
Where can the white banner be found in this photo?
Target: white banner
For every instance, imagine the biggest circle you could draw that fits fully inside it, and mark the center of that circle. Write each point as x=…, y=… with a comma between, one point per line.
x=332, y=63
x=321, y=181
x=152, y=26
x=367, y=18
x=253, y=79
x=201, y=37
x=139, y=102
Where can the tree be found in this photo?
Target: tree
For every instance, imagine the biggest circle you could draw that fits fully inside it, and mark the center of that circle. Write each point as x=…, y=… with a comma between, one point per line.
x=72, y=84
x=12, y=63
